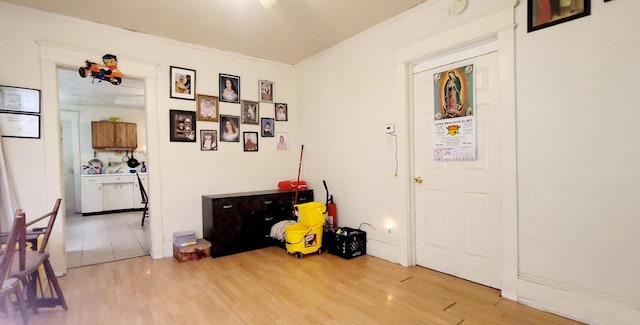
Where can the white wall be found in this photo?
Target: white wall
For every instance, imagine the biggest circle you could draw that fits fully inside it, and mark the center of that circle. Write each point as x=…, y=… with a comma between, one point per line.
x=185, y=172
x=577, y=159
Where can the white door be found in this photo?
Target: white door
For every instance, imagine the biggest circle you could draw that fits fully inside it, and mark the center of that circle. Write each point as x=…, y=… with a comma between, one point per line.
x=457, y=205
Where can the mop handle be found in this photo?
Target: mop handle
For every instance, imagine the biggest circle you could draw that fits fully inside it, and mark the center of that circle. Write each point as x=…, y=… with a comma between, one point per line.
x=295, y=200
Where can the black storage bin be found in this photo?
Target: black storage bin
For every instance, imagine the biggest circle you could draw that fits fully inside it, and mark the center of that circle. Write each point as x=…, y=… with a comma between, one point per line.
x=348, y=242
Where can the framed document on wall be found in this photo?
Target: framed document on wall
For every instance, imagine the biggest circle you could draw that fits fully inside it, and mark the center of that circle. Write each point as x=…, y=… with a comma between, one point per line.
x=15, y=125
x=17, y=99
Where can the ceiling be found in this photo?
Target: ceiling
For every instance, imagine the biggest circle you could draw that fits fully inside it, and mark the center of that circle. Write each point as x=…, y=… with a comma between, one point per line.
x=289, y=31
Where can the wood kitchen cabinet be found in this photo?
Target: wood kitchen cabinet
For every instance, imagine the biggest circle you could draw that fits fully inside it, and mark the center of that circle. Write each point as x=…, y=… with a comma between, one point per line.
x=240, y=222
x=114, y=135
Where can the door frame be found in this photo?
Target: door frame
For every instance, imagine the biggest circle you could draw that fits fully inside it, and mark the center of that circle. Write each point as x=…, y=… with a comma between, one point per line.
x=499, y=26
x=52, y=57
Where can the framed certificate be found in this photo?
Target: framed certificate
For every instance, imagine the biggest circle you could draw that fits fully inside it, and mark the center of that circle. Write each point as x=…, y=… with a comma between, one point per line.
x=17, y=99
x=14, y=125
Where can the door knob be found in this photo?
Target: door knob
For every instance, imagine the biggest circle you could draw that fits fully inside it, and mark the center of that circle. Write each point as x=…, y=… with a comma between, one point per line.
x=418, y=180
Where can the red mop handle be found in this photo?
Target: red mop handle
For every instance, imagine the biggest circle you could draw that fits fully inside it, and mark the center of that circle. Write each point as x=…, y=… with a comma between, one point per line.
x=295, y=200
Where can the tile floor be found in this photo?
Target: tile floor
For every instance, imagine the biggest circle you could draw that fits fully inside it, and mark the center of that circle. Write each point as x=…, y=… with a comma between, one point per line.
x=105, y=238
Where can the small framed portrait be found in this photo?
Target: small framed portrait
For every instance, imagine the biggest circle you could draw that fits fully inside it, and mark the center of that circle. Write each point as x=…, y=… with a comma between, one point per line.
x=229, y=88
x=229, y=128
x=266, y=91
x=207, y=108
x=282, y=141
x=183, y=83
x=250, y=112
x=281, y=112
x=250, y=140
x=267, y=127
x=544, y=13
x=182, y=126
x=208, y=140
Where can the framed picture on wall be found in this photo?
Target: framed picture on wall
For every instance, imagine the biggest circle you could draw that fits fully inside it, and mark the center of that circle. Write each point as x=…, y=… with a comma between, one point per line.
x=283, y=141
x=266, y=91
x=250, y=112
x=207, y=108
x=229, y=88
x=281, y=112
x=546, y=13
x=250, y=140
x=229, y=128
x=182, y=126
x=183, y=83
x=267, y=127
x=208, y=140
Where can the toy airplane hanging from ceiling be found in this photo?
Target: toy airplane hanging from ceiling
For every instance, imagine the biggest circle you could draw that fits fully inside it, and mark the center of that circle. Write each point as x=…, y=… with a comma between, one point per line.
x=107, y=72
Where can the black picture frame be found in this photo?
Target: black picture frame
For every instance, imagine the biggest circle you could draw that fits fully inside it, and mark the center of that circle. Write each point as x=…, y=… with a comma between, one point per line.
x=250, y=112
x=250, y=141
x=182, y=126
x=267, y=132
x=233, y=134
x=182, y=83
x=20, y=100
x=542, y=13
x=281, y=112
x=208, y=140
x=19, y=125
x=231, y=95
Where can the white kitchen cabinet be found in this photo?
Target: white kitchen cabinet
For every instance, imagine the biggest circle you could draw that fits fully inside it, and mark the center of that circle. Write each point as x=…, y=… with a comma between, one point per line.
x=137, y=197
x=91, y=190
x=111, y=192
x=117, y=192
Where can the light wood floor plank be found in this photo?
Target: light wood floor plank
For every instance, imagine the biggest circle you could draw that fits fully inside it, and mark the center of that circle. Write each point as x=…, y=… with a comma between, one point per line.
x=269, y=286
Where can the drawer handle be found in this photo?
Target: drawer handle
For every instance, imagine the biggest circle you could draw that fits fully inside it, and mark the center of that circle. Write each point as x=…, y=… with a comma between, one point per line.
x=268, y=202
x=229, y=206
x=302, y=199
x=268, y=219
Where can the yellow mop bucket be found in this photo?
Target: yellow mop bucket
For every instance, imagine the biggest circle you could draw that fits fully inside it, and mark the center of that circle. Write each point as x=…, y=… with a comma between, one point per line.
x=305, y=237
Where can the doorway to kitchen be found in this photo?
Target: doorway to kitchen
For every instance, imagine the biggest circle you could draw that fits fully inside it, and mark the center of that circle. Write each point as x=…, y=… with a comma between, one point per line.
x=102, y=193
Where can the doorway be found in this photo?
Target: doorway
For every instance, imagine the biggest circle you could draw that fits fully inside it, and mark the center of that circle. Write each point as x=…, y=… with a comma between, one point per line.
x=99, y=238
x=457, y=206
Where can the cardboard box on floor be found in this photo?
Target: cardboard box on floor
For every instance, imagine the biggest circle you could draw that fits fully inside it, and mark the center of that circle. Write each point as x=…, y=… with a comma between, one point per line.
x=202, y=248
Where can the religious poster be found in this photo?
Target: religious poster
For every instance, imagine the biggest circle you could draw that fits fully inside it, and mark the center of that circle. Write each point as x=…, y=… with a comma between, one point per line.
x=454, y=121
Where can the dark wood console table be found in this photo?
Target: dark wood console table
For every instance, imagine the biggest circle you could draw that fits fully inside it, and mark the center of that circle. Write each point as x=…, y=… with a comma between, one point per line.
x=239, y=222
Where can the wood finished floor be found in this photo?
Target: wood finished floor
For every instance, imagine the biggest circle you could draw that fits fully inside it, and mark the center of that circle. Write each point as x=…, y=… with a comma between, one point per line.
x=268, y=286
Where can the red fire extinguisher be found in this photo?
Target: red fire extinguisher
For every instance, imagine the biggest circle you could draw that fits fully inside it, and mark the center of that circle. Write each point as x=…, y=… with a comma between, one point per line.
x=332, y=209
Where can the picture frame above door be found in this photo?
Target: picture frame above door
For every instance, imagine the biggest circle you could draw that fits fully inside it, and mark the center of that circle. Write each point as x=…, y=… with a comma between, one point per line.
x=546, y=13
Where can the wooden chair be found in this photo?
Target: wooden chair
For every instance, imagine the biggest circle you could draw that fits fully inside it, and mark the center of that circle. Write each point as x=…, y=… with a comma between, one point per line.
x=145, y=200
x=11, y=286
x=26, y=269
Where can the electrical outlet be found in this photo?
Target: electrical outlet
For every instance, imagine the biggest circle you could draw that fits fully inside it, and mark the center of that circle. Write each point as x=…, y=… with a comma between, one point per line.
x=390, y=128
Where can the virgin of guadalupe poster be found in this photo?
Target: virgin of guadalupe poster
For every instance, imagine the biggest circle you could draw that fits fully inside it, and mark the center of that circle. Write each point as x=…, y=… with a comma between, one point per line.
x=454, y=120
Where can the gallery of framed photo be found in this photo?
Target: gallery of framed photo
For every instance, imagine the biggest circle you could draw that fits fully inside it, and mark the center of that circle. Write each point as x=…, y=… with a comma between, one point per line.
x=229, y=128
x=207, y=108
x=281, y=112
x=16, y=99
x=266, y=91
x=183, y=83
x=546, y=13
x=250, y=112
x=267, y=127
x=208, y=140
x=182, y=126
x=229, y=88
x=250, y=140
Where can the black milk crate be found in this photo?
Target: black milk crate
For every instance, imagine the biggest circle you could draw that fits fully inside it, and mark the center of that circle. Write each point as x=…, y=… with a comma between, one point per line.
x=348, y=242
